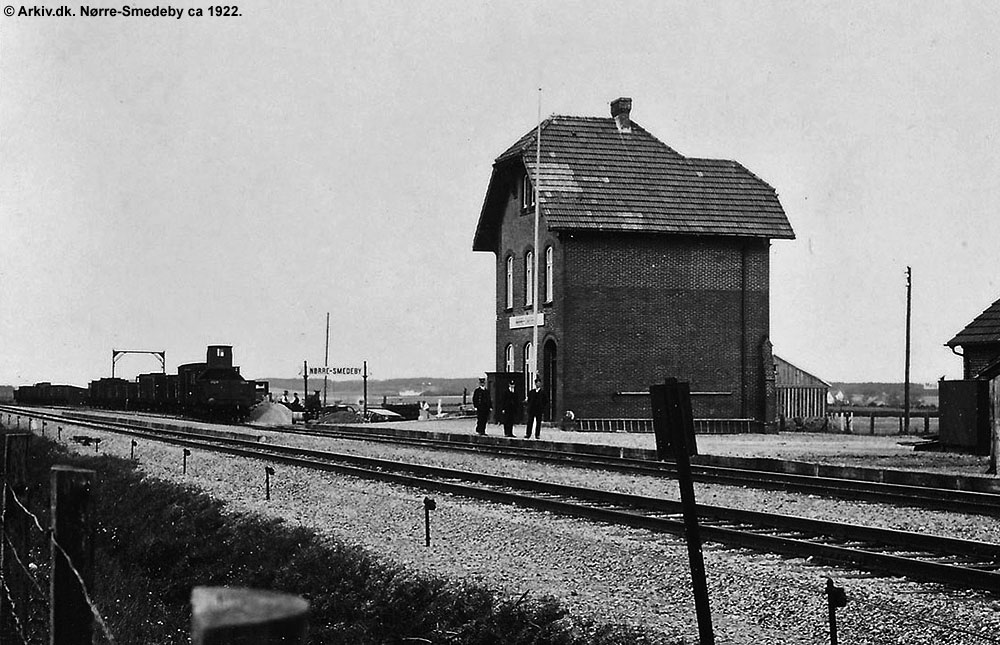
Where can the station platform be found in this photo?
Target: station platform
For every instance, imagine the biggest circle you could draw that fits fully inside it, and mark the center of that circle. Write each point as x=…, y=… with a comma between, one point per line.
x=850, y=452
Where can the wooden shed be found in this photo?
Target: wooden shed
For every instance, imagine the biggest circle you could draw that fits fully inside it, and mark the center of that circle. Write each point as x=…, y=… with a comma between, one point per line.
x=800, y=394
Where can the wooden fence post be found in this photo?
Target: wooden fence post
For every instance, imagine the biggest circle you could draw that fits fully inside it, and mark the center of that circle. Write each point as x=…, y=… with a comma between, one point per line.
x=13, y=610
x=71, y=621
x=233, y=615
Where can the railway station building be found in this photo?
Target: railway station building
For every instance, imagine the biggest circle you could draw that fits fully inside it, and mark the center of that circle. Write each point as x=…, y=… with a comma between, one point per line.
x=651, y=265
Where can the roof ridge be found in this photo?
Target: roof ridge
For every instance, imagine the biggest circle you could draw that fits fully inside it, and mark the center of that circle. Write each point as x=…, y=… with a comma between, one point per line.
x=605, y=179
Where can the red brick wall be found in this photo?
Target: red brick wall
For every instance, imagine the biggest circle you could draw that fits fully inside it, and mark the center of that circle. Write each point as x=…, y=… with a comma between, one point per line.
x=517, y=238
x=977, y=357
x=631, y=309
x=640, y=308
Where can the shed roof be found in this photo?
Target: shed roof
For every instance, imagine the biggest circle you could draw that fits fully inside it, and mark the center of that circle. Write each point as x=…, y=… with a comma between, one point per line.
x=789, y=375
x=985, y=328
x=595, y=177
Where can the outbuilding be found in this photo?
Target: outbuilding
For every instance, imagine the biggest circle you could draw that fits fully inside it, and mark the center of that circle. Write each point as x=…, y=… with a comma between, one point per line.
x=650, y=264
x=969, y=420
x=801, y=395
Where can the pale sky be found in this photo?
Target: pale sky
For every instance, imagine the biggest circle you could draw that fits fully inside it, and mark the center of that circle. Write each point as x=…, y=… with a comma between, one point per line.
x=169, y=184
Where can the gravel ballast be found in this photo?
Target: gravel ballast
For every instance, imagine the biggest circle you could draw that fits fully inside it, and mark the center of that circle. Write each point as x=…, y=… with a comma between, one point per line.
x=609, y=573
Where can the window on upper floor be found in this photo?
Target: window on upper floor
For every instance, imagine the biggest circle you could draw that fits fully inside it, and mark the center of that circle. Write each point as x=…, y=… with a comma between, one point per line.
x=529, y=278
x=508, y=358
x=548, y=274
x=527, y=192
x=509, y=284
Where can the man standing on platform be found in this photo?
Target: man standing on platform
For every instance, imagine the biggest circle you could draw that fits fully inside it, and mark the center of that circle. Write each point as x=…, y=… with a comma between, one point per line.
x=483, y=404
x=510, y=409
x=536, y=408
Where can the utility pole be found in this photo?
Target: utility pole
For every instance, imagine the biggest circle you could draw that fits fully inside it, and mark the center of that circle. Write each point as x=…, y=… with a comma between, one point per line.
x=534, y=256
x=364, y=404
x=326, y=357
x=906, y=378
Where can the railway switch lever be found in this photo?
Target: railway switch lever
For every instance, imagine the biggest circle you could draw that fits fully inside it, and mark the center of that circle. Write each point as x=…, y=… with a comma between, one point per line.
x=836, y=597
x=268, y=471
x=429, y=505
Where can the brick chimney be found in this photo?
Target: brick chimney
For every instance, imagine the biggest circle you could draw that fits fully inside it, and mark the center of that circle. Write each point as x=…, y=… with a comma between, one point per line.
x=620, y=109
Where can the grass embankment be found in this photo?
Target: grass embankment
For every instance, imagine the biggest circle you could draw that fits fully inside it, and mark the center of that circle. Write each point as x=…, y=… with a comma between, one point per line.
x=156, y=540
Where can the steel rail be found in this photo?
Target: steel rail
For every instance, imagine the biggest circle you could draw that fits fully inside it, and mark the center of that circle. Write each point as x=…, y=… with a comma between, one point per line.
x=924, y=497
x=952, y=561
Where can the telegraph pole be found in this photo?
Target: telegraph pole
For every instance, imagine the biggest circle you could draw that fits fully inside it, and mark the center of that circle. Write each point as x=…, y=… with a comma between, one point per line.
x=326, y=357
x=534, y=269
x=906, y=384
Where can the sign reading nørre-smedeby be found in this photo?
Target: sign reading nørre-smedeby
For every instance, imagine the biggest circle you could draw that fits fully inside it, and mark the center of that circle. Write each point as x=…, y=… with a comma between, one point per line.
x=335, y=370
x=527, y=320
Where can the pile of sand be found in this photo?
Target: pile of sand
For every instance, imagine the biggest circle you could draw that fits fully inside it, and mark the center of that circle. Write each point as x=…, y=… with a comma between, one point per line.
x=340, y=416
x=266, y=413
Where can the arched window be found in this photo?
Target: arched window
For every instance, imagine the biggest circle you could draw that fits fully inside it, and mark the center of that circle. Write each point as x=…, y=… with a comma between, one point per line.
x=529, y=374
x=548, y=274
x=529, y=278
x=510, y=282
x=508, y=365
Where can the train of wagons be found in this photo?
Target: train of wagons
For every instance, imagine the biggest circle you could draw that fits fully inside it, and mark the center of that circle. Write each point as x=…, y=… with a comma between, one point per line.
x=213, y=388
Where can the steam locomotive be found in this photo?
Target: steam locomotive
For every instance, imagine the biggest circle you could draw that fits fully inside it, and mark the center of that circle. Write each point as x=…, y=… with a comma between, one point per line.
x=212, y=389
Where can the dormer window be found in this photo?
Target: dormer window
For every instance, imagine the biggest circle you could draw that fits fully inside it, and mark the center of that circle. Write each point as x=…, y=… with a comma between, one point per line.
x=527, y=193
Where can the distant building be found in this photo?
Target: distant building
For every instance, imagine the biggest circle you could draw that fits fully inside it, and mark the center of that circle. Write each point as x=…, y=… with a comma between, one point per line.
x=651, y=264
x=800, y=394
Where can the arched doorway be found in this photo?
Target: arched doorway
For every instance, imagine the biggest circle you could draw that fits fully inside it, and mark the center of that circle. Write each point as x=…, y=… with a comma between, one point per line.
x=549, y=377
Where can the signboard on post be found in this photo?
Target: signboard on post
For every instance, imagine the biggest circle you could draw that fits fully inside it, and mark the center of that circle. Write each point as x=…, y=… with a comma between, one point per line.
x=336, y=371
x=527, y=320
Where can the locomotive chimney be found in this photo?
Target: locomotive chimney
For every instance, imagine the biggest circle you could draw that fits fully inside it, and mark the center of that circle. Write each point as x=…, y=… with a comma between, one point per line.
x=621, y=108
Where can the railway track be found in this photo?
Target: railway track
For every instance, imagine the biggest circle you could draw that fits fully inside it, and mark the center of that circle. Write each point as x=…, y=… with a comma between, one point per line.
x=961, y=563
x=920, y=496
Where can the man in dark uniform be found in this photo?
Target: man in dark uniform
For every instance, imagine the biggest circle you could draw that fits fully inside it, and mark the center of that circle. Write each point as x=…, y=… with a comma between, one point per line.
x=483, y=404
x=536, y=408
x=510, y=410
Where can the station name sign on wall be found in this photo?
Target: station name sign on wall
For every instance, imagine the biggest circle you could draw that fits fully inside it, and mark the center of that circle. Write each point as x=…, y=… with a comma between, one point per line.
x=335, y=370
x=528, y=320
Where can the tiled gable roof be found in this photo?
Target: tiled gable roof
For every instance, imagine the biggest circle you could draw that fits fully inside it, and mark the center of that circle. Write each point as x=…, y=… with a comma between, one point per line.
x=594, y=177
x=984, y=329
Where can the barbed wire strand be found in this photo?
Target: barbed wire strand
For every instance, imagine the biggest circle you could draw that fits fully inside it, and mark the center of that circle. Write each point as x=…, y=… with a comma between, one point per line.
x=27, y=571
x=86, y=596
x=34, y=518
x=13, y=612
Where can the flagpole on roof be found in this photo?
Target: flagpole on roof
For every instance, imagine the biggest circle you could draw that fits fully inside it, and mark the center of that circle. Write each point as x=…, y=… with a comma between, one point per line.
x=534, y=286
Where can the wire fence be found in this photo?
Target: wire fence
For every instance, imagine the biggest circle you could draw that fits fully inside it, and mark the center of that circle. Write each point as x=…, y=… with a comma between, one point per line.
x=45, y=595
